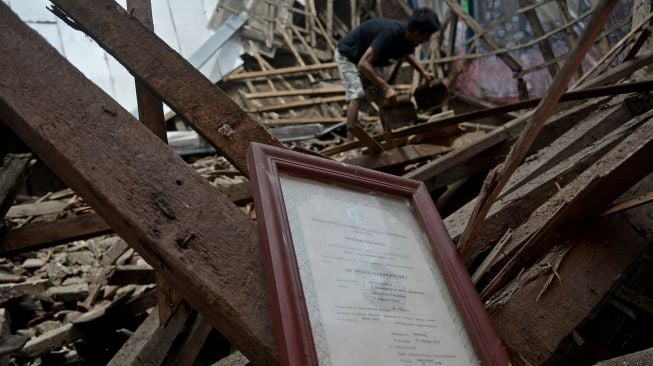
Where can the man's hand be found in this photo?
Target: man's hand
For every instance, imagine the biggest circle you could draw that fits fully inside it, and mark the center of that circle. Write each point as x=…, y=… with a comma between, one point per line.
x=429, y=77
x=390, y=95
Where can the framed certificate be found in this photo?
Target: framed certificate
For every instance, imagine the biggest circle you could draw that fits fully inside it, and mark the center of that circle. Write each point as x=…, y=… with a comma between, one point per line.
x=361, y=269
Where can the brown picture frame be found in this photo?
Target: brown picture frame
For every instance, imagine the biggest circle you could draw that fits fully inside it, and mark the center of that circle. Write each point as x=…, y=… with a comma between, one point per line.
x=292, y=326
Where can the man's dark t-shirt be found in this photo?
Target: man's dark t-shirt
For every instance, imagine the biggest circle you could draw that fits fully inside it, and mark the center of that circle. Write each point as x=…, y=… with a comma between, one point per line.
x=386, y=37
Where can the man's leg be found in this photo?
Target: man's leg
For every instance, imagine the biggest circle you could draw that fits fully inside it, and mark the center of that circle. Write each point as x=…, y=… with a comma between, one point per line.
x=351, y=80
x=352, y=115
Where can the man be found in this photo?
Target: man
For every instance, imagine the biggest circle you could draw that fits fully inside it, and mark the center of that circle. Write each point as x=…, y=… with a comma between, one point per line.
x=376, y=43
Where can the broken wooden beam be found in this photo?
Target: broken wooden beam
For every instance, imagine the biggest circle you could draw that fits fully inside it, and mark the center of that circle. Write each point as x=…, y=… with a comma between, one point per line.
x=150, y=344
x=10, y=343
x=294, y=92
x=109, y=257
x=492, y=44
x=12, y=173
x=36, y=209
x=621, y=71
x=397, y=157
x=234, y=359
x=280, y=71
x=538, y=31
x=598, y=257
x=150, y=112
x=599, y=91
x=47, y=234
x=514, y=207
x=132, y=274
x=302, y=121
x=192, y=345
x=150, y=108
x=492, y=188
x=180, y=224
x=53, y=339
x=190, y=94
x=297, y=104
x=640, y=86
x=612, y=116
x=364, y=138
x=578, y=201
x=636, y=358
x=476, y=157
x=305, y=92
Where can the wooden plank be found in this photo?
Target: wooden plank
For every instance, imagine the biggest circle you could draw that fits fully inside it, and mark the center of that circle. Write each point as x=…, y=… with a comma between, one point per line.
x=150, y=109
x=302, y=121
x=62, y=231
x=492, y=44
x=295, y=92
x=639, y=43
x=5, y=330
x=513, y=208
x=193, y=344
x=365, y=138
x=641, y=9
x=263, y=65
x=109, y=257
x=289, y=43
x=132, y=274
x=492, y=188
x=280, y=71
x=453, y=35
x=44, y=235
x=581, y=199
x=584, y=133
x=297, y=104
x=185, y=228
x=636, y=358
x=538, y=31
x=609, y=56
x=150, y=344
x=55, y=338
x=465, y=161
x=150, y=112
x=234, y=359
x=36, y=209
x=12, y=173
x=191, y=95
x=570, y=35
x=534, y=328
x=629, y=204
x=9, y=344
x=398, y=157
x=169, y=296
x=635, y=298
x=597, y=91
x=309, y=91
x=624, y=70
x=329, y=17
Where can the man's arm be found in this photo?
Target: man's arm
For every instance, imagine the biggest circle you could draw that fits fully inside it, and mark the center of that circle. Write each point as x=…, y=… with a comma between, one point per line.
x=428, y=76
x=365, y=66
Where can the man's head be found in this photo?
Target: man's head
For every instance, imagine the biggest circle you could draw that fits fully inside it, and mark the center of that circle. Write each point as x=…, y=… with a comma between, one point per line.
x=422, y=24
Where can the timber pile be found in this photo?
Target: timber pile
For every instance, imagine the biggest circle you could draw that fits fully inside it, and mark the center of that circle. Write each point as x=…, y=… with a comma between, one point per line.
x=549, y=200
x=55, y=300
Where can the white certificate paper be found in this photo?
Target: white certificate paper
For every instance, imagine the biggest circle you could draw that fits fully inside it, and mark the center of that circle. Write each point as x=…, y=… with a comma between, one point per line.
x=373, y=291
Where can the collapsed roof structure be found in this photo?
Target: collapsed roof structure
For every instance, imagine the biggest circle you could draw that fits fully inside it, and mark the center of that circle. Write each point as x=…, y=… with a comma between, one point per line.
x=538, y=159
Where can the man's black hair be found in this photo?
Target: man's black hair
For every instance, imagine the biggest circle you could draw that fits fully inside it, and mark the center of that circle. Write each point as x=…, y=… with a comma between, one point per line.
x=423, y=20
